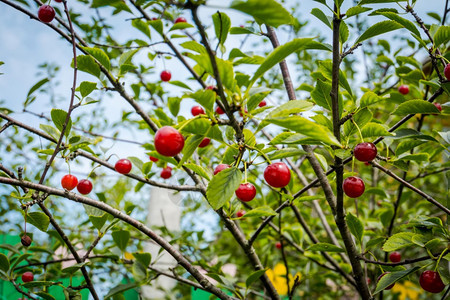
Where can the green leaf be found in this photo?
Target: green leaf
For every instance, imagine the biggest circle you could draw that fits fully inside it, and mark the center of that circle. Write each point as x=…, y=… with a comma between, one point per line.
x=369, y=98
x=374, y=242
x=136, y=162
x=143, y=257
x=4, y=262
x=374, y=129
x=34, y=284
x=255, y=99
x=281, y=52
x=72, y=269
x=325, y=247
x=269, y=12
x=286, y=152
x=356, y=10
x=139, y=271
x=180, y=84
x=19, y=260
x=126, y=57
x=416, y=107
x=39, y=220
x=222, y=187
x=142, y=26
x=157, y=25
x=98, y=221
x=34, y=88
x=198, y=169
x=87, y=87
x=120, y=289
x=393, y=277
x=45, y=296
x=319, y=14
x=87, y=64
x=100, y=56
x=222, y=24
x=442, y=35
x=290, y=107
x=258, y=212
x=174, y=105
x=253, y=277
x=59, y=118
x=356, y=226
x=181, y=25
x=379, y=28
x=398, y=241
x=121, y=238
x=407, y=145
x=404, y=22
x=361, y=118
x=205, y=98
x=321, y=94
x=190, y=145
x=306, y=127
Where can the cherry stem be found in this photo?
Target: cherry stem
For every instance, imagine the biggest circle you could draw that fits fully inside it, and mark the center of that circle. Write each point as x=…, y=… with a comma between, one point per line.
x=439, y=259
x=359, y=130
x=259, y=151
x=245, y=172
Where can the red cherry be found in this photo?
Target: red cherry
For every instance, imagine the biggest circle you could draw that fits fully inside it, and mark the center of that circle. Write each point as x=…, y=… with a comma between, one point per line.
x=155, y=18
x=46, y=13
x=403, y=89
x=431, y=282
x=240, y=213
x=395, y=257
x=262, y=103
x=25, y=240
x=166, y=172
x=365, y=152
x=27, y=277
x=242, y=26
x=205, y=142
x=153, y=159
x=180, y=20
x=367, y=163
x=168, y=141
x=220, y=167
x=379, y=277
x=369, y=281
x=59, y=1
x=438, y=105
x=241, y=114
x=84, y=186
x=277, y=175
x=197, y=110
x=123, y=166
x=447, y=71
x=353, y=186
x=69, y=182
x=278, y=245
x=165, y=75
x=219, y=110
x=246, y=192
x=210, y=87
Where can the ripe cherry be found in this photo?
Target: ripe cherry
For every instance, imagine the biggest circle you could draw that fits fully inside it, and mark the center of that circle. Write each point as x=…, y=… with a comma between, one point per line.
x=219, y=110
x=46, y=13
x=403, y=89
x=365, y=152
x=353, y=186
x=123, y=166
x=277, y=175
x=379, y=277
x=166, y=173
x=168, y=141
x=431, y=282
x=395, y=257
x=438, y=105
x=153, y=159
x=27, y=277
x=180, y=20
x=278, y=245
x=197, y=110
x=262, y=103
x=240, y=213
x=447, y=71
x=69, y=182
x=246, y=192
x=84, y=187
x=165, y=75
x=25, y=240
x=59, y=1
x=220, y=167
x=205, y=142
x=210, y=87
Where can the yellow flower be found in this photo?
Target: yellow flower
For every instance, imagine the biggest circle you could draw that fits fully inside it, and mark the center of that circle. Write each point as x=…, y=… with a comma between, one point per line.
x=407, y=290
x=128, y=255
x=278, y=278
